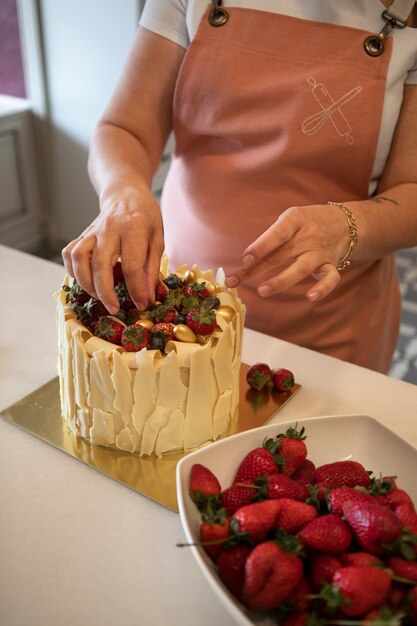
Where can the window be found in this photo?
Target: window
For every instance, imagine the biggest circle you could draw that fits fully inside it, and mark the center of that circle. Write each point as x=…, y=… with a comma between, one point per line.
x=12, y=81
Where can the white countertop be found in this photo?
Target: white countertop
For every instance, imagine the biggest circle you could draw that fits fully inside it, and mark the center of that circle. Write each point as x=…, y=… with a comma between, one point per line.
x=79, y=549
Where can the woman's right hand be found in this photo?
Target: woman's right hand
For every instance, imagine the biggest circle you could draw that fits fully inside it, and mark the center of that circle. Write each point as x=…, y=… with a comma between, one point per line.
x=128, y=227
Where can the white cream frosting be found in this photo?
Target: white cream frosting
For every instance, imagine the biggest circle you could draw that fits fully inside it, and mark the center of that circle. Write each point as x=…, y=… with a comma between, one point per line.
x=146, y=402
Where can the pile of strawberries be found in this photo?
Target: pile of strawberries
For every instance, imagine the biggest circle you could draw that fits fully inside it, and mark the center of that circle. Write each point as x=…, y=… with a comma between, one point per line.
x=177, y=304
x=311, y=545
x=260, y=376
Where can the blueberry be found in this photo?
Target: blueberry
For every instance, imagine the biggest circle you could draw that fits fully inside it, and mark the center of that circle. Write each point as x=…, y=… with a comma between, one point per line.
x=157, y=343
x=173, y=281
x=213, y=303
x=179, y=319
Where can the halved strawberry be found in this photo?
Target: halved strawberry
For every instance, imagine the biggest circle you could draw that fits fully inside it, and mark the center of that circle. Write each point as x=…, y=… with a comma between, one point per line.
x=166, y=328
x=197, y=289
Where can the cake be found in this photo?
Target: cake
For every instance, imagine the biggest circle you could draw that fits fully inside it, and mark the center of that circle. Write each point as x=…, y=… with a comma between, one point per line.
x=157, y=386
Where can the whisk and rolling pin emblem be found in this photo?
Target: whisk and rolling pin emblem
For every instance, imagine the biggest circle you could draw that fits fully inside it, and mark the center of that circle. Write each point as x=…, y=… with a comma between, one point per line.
x=330, y=110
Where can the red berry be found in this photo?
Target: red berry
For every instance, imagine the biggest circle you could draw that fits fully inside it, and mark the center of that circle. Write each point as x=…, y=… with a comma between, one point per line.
x=135, y=338
x=202, y=321
x=109, y=328
x=202, y=480
x=283, y=379
x=259, y=376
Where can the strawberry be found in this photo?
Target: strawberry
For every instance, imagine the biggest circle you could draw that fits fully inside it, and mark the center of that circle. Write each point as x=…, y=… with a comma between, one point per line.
x=161, y=291
x=163, y=313
x=292, y=450
x=166, y=328
x=305, y=474
x=135, y=338
x=282, y=379
x=374, y=526
x=197, y=289
x=202, y=321
x=318, y=493
x=109, y=328
x=235, y=497
x=231, y=567
x=299, y=599
x=213, y=536
x=132, y=316
x=402, y=567
x=364, y=587
x=258, y=462
x=75, y=293
x=280, y=486
x=322, y=568
x=293, y=515
x=256, y=519
x=259, y=376
x=327, y=533
x=90, y=311
x=343, y=474
x=118, y=276
x=203, y=481
x=338, y=496
x=360, y=558
x=271, y=575
x=394, y=497
x=408, y=516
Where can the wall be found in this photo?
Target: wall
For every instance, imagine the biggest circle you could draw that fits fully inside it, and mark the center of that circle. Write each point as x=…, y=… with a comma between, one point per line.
x=85, y=45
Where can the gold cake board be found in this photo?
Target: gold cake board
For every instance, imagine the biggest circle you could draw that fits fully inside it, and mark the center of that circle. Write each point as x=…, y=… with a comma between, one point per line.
x=39, y=413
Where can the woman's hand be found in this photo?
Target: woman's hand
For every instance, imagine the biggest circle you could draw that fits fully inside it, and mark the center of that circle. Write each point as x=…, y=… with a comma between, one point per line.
x=129, y=226
x=304, y=241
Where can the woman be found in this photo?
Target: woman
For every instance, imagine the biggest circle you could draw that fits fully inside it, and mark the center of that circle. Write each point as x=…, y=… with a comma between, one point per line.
x=295, y=165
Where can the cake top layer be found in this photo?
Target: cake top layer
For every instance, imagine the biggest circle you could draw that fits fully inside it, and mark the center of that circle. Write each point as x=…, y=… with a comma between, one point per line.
x=192, y=307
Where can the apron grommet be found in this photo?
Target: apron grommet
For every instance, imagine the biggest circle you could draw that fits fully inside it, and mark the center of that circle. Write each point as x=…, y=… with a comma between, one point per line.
x=218, y=17
x=374, y=45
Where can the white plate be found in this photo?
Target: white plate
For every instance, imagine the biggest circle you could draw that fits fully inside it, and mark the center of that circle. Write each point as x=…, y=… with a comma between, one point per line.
x=329, y=438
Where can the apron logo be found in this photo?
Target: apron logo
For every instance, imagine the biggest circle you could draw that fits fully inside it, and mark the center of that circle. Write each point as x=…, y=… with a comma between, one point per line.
x=330, y=110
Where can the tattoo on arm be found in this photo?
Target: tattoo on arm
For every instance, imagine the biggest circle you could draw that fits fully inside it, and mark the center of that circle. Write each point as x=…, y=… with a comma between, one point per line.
x=380, y=199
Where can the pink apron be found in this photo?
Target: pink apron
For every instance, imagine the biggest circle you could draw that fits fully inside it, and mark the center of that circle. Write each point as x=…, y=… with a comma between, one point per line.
x=273, y=111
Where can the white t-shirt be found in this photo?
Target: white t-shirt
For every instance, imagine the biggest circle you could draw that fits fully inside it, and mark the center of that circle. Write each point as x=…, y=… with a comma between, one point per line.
x=178, y=20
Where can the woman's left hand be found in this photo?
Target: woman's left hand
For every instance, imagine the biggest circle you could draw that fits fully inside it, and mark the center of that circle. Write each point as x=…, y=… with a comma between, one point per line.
x=304, y=241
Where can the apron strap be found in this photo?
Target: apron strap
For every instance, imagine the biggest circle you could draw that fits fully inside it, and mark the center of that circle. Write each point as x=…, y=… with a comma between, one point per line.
x=400, y=10
x=394, y=17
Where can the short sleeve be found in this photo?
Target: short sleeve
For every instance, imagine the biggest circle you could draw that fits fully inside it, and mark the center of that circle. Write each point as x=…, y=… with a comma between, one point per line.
x=168, y=19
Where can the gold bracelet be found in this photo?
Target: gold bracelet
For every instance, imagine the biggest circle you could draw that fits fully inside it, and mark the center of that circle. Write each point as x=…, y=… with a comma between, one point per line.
x=353, y=236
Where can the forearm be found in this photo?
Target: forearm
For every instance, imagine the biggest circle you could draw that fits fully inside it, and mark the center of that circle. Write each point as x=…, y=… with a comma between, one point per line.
x=117, y=159
x=386, y=222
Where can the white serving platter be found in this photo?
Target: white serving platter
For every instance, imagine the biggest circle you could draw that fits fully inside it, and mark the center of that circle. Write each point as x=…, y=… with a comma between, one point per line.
x=329, y=438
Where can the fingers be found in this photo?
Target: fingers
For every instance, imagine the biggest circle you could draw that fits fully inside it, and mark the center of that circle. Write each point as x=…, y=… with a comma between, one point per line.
x=152, y=268
x=77, y=257
x=307, y=264
x=272, y=239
